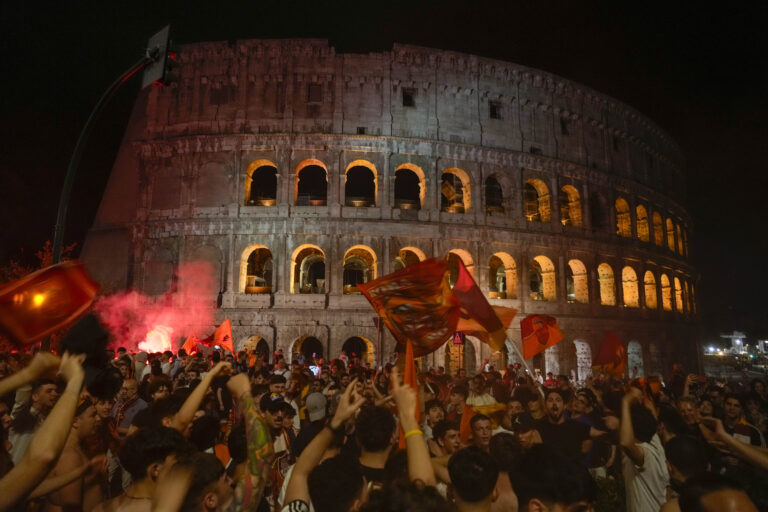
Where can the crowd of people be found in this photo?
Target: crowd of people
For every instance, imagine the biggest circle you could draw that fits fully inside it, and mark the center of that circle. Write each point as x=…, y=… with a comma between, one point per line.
x=220, y=431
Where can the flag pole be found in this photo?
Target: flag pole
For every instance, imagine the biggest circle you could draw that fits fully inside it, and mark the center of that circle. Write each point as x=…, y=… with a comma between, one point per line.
x=525, y=363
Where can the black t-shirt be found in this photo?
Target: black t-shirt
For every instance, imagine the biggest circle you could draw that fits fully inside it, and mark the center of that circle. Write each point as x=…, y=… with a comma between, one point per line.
x=565, y=437
x=374, y=476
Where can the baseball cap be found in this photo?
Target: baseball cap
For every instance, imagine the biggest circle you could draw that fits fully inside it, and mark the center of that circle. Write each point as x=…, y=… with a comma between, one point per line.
x=316, y=403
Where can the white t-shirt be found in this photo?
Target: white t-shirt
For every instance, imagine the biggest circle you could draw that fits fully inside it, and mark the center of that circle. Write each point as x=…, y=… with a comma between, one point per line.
x=646, y=486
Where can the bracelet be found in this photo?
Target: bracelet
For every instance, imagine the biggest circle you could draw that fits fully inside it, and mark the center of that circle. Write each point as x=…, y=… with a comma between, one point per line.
x=340, y=428
x=412, y=432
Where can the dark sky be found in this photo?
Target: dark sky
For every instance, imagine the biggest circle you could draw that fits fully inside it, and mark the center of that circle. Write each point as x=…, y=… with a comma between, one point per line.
x=698, y=70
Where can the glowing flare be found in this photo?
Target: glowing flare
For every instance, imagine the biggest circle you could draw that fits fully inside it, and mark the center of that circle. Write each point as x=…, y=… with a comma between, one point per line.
x=158, y=339
x=38, y=299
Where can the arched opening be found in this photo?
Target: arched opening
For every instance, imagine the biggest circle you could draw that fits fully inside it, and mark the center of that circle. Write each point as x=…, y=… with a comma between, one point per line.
x=598, y=211
x=502, y=277
x=311, y=183
x=359, y=268
x=454, y=255
x=408, y=256
x=258, y=344
x=679, y=240
x=623, y=218
x=635, y=366
x=577, y=282
x=649, y=281
x=359, y=348
x=643, y=232
x=256, y=270
x=570, y=206
x=629, y=287
x=607, y=285
x=670, y=235
x=666, y=293
x=537, y=202
x=261, y=184
x=308, y=347
x=678, y=296
x=500, y=358
x=410, y=188
x=541, y=279
x=308, y=270
x=360, y=184
x=455, y=191
x=552, y=359
x=460, y=356
x=494, y=197
x=658, y=230
x=583, y=361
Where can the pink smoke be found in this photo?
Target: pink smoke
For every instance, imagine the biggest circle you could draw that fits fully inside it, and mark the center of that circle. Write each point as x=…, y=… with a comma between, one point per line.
x=140, y=322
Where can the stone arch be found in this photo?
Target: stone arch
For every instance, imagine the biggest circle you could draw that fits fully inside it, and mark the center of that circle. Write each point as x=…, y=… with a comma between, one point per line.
x=635, y=360
x=570, y=206
x=256, y=270
x=658, y=229
x=359, y=267
x=623, y=218
x=456, y=191
x=537, y=201
x=410, y=187
x=306, y=345
x=542, y=279
x=311, y=188
x=502, y=276
x=629, y=287
x=649, y=282
x=583, y=360
x=678, y=295
x=670, y=235
x=408, y=256
x=462, y=356
x=552, y=360
x=261, y=183
x=666, y=293
x=453, y=265
x=258, y=344
x=215, y=258
x=577, y=282
x=308, y=269
x=361, y=184
x=361, y=347
x=494, y=196
x=641, y=216
x=607, y=285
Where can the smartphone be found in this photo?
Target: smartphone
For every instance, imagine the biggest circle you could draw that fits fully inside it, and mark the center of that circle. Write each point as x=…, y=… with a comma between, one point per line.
x=217, y=347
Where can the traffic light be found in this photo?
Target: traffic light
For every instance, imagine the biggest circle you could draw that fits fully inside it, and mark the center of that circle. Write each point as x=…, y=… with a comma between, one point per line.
x=163, y=60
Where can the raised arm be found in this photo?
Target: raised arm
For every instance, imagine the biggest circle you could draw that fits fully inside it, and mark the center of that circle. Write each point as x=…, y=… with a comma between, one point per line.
x=419, y=465
x=626, y=431
x=48, y=441
x=42, y=364
x=187, y=412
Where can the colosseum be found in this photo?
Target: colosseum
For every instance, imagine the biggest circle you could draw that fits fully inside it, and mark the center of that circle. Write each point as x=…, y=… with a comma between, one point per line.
x=299, y=172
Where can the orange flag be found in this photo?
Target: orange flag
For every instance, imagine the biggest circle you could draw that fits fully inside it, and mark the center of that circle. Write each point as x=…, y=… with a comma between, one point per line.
x=539, y=332
x=223, y=336
x=190, y=345
x=409, y=379
x=612, y=356
x=477, y=317
x=465, y=429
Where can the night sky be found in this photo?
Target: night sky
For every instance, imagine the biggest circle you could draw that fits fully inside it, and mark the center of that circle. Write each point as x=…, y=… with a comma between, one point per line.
x=698, y=70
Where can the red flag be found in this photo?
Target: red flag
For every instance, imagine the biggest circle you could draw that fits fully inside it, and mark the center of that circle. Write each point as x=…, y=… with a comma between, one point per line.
x=409, y=379
x=478, y=318
x=465, y=428
x=612, y=356
x=223, y=336
x=190, y=345
x=416, y=304
x=539, y=332
x=45, y=301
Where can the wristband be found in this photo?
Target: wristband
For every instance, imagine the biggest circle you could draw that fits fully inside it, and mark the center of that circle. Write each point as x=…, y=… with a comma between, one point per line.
x=340, y=428
x=412, y=432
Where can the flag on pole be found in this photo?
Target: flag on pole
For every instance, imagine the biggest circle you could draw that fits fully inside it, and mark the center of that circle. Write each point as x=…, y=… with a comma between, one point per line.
x=539, y=332
x=477, y=317
x=409, y=379
x=190, y=345
x=612, y=356
x=223, y=336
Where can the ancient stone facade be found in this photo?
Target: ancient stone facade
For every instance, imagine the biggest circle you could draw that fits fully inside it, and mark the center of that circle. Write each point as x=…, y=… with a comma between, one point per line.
x=299, y=172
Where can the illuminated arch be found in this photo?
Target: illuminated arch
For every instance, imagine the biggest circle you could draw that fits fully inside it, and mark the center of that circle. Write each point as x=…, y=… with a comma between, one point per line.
x=666, y=293
x=670, y=235
x=258, y=344
x=314, y=191
x=570, y=206
x=629, y=287
x=255, y=269
x=623, y=218
x=359, y=267
x=678, y=295
x=264, y=191
x=308, y=269
x=607, y=285
x=537, y=201
x=410, y=192
x=502, y=276
x=649, y=282
x=453, y=199
x=307, y=346
x=658, y=229
x=635, y=366
x=643, y=232
x=361, y=347
x=577, y=282
x=357, y=181
x=542, y=279
x=408, y=256
x=453, y=266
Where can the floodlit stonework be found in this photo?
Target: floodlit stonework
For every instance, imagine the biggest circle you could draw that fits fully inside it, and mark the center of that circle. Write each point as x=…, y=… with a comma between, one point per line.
x=298, y=172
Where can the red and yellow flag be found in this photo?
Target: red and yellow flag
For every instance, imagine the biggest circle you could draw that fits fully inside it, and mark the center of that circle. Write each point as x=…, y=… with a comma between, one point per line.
x=539, y=332
x=612, y=356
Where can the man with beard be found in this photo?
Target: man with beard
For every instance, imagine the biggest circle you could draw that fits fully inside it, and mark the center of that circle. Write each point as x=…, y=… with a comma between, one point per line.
x=566, y=436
